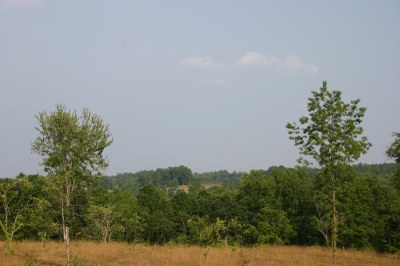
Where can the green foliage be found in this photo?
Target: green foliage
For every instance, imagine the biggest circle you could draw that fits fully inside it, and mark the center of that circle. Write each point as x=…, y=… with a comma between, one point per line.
x=385, y=216
x=104, y=219
x=196, y=225
x=157, y=214
x=394, y=150
x=273, y=226
x=182, y=173
x=256, y=191
x=215, y=233
x=384, y=170
x=262, y=215
x=357, y=222
x=11, y=219
x=72, y=146
x=183, y=206
x=223, y=204
x=162, y=177
x=130, y=220
x=222, y=177
x=222, y=233
x=196, y=188
x=41, y=220
x=295, y=195
x=331, y=134
x=277, y=206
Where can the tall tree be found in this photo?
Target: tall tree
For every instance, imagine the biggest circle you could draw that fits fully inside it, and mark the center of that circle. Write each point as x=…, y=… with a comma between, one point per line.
x=331, y=135
x=72, y=148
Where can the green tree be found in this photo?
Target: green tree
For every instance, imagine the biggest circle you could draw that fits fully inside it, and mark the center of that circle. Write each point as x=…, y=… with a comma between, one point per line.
x=223, y=204
x=41, y=217
x=215, y=233
x=112, y=215
x=125, y=204
x=157, y=214
x=256, y=191
x=331, y=135
x=182, y=206
x=12, y=208
x=182, y=173
x=294, y=194
x=105, y=219
x=394, y=150
x=358, y=214
x=260, y=213
x=392, y=242
x=72, y=148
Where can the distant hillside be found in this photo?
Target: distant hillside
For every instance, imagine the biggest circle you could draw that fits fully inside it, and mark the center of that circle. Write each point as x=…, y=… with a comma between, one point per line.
x=381, y=170
x=162, y=177
x=173, y=177
x=222, y=177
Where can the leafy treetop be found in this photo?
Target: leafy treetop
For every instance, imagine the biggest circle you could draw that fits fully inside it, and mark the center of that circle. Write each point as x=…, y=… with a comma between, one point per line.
x=331, y=134
x=72, y=144
x=394, y=150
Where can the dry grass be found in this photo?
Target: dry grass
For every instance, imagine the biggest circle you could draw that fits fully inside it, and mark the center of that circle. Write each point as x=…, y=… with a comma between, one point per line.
x=91, y=253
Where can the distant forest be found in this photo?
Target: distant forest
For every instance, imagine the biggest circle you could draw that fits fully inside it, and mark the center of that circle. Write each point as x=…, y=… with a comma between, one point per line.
x=170, y=178
x=174, y=205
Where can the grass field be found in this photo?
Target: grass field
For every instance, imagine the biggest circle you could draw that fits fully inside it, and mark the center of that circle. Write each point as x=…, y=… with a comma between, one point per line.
x=91, y=253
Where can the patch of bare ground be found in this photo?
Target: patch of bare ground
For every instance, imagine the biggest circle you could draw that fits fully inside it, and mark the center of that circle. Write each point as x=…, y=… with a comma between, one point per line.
x=92, y=253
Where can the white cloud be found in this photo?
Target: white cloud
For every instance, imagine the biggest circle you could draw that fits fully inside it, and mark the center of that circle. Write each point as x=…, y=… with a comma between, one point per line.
x=20, y=3
x=290, y=63
x=202, y=62
x=254, y=59
x=294, y=63
x=258, y=60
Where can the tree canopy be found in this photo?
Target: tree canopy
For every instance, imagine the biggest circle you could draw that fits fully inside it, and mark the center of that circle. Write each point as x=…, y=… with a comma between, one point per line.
x=331, y=133
x=394, y=150
x=70, y=144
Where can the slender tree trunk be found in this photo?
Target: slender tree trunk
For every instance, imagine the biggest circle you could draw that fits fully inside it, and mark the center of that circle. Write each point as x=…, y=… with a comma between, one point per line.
x=6, y=229
x=67, y=242
x=69, y=186
x=105, y=233
x=324, y=225
x=66, y=233
x=334, y=232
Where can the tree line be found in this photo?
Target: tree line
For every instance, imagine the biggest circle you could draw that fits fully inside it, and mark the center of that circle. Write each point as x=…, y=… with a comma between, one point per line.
x=169, y=178
x=275, y=206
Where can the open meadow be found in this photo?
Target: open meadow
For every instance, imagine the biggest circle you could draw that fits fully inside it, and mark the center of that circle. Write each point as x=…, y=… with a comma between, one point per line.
x=92, y=253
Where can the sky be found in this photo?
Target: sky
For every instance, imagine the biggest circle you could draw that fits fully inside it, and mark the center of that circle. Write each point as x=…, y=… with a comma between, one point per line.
x=206, y=84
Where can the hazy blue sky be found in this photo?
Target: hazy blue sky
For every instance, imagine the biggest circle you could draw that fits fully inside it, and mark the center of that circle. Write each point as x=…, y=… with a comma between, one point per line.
x=207, y=84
